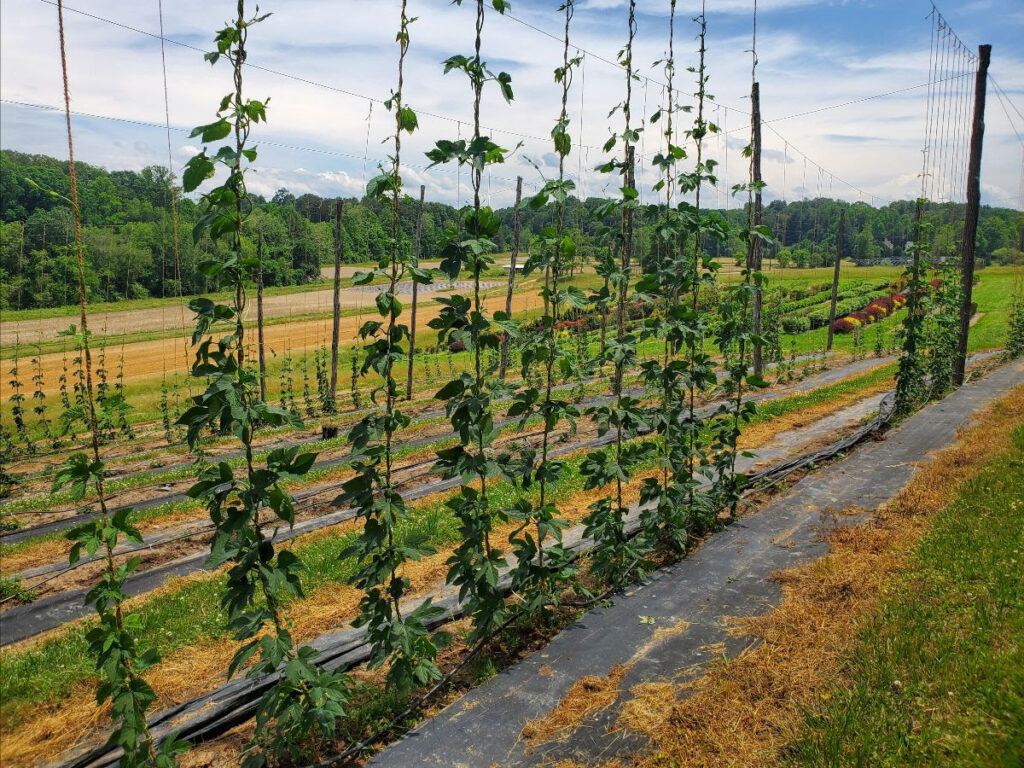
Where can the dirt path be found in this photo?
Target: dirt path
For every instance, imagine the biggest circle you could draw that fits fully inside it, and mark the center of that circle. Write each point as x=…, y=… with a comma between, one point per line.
x=148, y=359
x=173, y=315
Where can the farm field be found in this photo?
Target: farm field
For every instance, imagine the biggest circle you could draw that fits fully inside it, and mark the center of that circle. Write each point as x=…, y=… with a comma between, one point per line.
x=845, y=395
x=724, y=470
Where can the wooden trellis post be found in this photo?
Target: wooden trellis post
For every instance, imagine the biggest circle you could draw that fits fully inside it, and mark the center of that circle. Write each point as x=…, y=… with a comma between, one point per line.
x=511, y=274
x=336, y=329
x=259, y=315
x=835, y=278
x=971, y=216
x=415, y=291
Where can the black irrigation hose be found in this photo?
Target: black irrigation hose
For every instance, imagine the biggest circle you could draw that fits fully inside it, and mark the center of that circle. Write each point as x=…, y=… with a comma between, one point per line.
x=425, y=415
x=83, y=516
x=305, y=498
x=442, y=485
x=423, y=699
x=343, y=419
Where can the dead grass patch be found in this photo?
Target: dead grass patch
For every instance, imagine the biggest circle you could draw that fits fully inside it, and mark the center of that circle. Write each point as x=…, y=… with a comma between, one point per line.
x=647, y=706
x=759, y=434
x=588, y=695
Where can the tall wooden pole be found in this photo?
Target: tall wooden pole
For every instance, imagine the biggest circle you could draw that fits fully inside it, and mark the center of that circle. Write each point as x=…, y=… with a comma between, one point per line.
x=835, y=277
x=511, y=274
x=415, y=292
x=973, y=207
x=338, y=249
x=627, y=260
x=259, y=315
x=756, y=244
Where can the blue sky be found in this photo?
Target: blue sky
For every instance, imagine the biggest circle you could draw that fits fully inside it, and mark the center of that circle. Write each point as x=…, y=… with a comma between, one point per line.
x=811, y=55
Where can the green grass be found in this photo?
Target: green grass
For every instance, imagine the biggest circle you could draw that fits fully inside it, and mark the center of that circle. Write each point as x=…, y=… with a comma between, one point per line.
x=937, y=677
x=191, y=613
x=12, y=588
x=152, y=302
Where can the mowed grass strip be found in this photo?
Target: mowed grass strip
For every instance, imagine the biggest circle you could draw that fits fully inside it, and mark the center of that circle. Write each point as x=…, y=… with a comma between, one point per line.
x=937, y=678
x=188, y=611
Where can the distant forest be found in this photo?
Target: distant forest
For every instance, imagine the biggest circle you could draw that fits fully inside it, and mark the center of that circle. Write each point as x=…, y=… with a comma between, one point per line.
x=130, y=254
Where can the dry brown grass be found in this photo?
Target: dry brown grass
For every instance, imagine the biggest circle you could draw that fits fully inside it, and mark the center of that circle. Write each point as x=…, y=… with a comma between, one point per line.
x=588, y=695
x=744, y=710
x=758, y=434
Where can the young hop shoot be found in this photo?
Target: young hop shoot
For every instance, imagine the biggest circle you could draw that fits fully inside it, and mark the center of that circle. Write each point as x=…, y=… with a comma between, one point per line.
x=739, y=322
x=306, y=701
x=911, y=387
x=735, y=338
x=541, y=562
x=942, y=329
x=698, y=271
x=475, y=564
x=402, y=639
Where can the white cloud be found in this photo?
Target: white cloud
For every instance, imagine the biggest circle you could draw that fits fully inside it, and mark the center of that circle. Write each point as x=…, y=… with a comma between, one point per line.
x=350, y=46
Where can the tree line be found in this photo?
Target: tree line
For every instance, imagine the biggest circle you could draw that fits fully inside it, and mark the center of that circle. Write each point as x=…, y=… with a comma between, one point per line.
x=128, y=232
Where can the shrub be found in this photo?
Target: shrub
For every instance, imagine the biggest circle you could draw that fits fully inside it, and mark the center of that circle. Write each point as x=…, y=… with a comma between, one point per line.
x=845, y=325
x=886, y=302
x=796, y=324
x=875, y=311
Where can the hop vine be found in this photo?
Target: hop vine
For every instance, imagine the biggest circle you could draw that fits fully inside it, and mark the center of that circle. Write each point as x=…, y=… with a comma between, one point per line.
x=306, y=701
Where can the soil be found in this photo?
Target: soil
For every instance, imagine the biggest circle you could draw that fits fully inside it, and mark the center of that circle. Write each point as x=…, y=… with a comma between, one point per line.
x=147, y=359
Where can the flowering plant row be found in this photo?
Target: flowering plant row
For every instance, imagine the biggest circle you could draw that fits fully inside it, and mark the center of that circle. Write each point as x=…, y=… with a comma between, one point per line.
x=878, y=309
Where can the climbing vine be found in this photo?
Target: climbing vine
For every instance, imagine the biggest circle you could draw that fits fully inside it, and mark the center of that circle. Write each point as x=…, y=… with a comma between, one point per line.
x=1015, y=322
x=542, y=564
x=475, y=563
x=396, y=636
x=698, y=271
x=664, y=514
x=942, y=327
x=121, y=662
x=911, y=387
x=614, y=552
x=305, y=700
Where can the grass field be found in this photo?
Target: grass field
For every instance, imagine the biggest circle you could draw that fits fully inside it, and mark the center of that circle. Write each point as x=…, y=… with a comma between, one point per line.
x=937, y=676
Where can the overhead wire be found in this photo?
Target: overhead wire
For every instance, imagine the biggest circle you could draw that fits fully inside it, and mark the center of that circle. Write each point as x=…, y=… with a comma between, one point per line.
x=173, y=202
x=520, y=134
x=286, y=75
x=1009, y=101
x=927, y=148
x=1007, y=105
